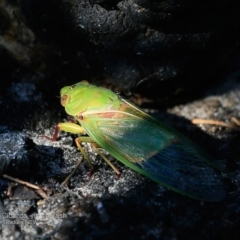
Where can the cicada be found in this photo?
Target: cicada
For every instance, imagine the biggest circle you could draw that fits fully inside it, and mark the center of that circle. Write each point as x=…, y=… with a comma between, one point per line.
x=139, y=141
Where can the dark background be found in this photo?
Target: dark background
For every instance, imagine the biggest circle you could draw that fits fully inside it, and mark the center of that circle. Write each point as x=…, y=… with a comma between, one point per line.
x=177, y=59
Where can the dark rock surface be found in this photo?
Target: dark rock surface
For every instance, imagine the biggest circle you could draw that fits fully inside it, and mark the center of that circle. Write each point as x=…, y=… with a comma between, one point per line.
x=45, y=45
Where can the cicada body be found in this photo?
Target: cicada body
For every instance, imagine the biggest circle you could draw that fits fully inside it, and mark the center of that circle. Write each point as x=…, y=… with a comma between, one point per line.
x=140, y=141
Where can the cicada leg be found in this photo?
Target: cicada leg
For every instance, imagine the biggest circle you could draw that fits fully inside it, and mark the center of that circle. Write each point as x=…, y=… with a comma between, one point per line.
x=78, y=142
x=94, y=145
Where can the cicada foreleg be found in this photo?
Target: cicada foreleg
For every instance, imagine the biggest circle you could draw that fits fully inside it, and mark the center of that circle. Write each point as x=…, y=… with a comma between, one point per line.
x=95, y=146
x=77, y=129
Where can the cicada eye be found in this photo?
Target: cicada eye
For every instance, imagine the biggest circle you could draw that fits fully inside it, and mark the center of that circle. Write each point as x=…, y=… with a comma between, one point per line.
x=64, y=100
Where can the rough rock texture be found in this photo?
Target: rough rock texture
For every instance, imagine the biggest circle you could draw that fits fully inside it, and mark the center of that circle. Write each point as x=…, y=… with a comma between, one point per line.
x=46, y=45
x=103, y=206
x=159, y=49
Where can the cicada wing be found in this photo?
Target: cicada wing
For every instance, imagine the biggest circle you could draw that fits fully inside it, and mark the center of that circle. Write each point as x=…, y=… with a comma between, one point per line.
x=155, y=151
x=182, y=169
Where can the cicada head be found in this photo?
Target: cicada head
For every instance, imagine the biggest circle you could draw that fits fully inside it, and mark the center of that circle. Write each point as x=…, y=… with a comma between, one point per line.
x=72, y=96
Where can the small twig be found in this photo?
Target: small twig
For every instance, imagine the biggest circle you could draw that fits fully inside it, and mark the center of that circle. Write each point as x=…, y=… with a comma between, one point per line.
x=236, y=121
x=41, y=193
x=214, y=122
x=21, y=182
x=9, y=190
x=37, y=188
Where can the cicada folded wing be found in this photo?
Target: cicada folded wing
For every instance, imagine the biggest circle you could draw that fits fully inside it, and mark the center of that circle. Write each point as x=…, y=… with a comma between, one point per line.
x=154, y=150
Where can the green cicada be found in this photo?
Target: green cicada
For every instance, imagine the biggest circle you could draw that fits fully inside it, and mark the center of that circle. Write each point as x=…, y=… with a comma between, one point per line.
x=139, y=141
